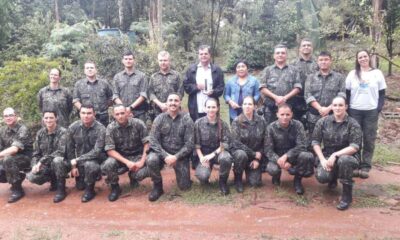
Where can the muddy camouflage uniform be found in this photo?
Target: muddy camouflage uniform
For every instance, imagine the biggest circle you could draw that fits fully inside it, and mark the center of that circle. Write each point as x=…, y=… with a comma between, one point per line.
x=208, y=138
x=171, y=136
x=280, y=82
x=50, y=151
x=128, y=88
x=11, y=166
x=322, y=89
x=335, y=136
x=87, y=146
x=161, y=85
x=58, y=100
x=247, y=139
x=98, y=94
x=291, y=141
x=128, y=141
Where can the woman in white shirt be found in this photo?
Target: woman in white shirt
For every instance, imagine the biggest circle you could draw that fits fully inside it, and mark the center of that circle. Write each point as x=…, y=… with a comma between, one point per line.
x=365, y=88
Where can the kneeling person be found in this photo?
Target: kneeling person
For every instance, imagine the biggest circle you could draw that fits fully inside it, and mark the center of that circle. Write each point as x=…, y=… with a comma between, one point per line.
x=126, y=145
x=285, y=147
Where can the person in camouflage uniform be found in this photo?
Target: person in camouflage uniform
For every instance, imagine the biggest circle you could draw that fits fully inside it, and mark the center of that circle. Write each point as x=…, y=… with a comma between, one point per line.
x=49, y=156
x=56, y=98
x=15, y=153
x=130, y=88
x=171, y=143
x=248, y=133
x=86, y=150
x=320, y=89
x=211, y=139
x=306, y=65
x=93, y=91
x=340, y=135
x=285, y=148
x=126, y=144
x=162, y=83
x=279, y=83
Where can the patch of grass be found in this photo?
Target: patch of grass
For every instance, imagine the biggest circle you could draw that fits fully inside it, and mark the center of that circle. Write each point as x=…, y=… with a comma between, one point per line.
x=384, y=154
x=114, y=234
x=365, y=200
x=392, y=190
x=37, y=233
x=299, y=200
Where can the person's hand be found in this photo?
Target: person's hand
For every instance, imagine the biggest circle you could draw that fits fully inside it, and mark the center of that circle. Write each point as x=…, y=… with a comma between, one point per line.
x=36, y=168
x=287, y=165
x=258, y=156
x=74, y=162
x=254, y=164
x=280, y=100
x=324, y=164
x=209, y=92
x=201, y=86
x=163, y=107
x=331, y=161
x=131, y=166
x=281, y=161
x=233, y=104
x=324, y=111
x=170, y=160
x=137, y=166
x=75, y=172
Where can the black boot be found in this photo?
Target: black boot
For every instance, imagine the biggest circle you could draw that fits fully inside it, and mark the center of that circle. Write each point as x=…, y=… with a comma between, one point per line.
x=16, y=192
x=223, y=185
x=298, y=186
x=347, y=197
x=276, y=180
x=53, y=184
x=79, y=183
x=115, y=192
x=60, y=194
x=89, y=193
x=238, y=182
x=332, y=184
x=156, y=192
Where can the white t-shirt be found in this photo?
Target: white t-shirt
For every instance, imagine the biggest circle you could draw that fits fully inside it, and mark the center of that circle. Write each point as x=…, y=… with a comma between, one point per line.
x=203, y=76
x=365, y=92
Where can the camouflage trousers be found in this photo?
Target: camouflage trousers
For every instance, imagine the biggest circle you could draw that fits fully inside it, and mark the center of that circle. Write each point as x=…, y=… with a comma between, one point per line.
x=242, y=161
x=58, y=169
x=12, y=168
x=112, y=168
x=342, y=170
x=89, y=171
x=224, y=159
x=155, y=163
x=302, y=166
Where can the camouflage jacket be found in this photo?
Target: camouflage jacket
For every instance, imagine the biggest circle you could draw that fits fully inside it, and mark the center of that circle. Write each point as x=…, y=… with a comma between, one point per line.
x=18, y=136
x=48, y=146
x=161, y=85
x=305, y=68
x=209, y=136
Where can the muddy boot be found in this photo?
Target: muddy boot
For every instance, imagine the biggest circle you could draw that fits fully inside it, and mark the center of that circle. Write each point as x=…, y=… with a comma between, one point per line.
x=363, y=174
x=16, y=192
x=132, y=180
x=347, y=197
x=298, y=186
x=79, y=183
x=115, y=192
x=276, y=180
x=60, y=194
x=332, y=184
x=156, y=192
x=53, y=184
x=238, y=182
x=223, y=187
x=89, y=193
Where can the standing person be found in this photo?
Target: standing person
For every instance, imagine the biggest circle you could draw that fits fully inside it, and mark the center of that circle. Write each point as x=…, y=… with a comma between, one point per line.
x=240, y=86
x=321, y=87
x=57, y=98
x=86, y=150
x=93, y=91
x=248, y=134
x=306, y=65
x=49, y=155
x=211, y=139
x=279, y=83
x=202, y=80
x=285, y=148
x=162, y=83
x=15, y=153
x=365, y=87
x=130, y=88
x=171, y=143
x=340, y=136
x=126, y=144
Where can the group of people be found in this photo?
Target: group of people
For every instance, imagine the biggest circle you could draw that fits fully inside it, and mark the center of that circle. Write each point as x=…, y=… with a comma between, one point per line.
x=294, y=118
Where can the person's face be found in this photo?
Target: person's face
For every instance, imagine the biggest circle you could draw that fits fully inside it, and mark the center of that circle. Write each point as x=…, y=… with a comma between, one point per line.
x=120, y=115
x=163, y=63
x=173, y=103
x=49, y=120
x=87, y=116
x=284, y=115
x=54, y=76
x=306, y=48
x=241, y=70
x=339, y=107
x=324, y=63
x=248, y=106
x=204, y=56
x=128, y=61
x=90, y=70
x=9, y=118
x=280, y=55
x=363, y=59
x=211, y=108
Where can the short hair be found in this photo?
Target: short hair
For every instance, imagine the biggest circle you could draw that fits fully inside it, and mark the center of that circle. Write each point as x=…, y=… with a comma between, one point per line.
x=163, y=53
x=204, y=46
x=88, y=106
x=340, y=97
x=285, y=105
x=280, y=46
x=241, y=61
x=89, y=62
x=50, y=111
x=305, y=40
x=325, y=54
x=128, y=53
x=174, y=93
x=117, y=106
x=9, y=109
x=59, y=71
x=251, y=98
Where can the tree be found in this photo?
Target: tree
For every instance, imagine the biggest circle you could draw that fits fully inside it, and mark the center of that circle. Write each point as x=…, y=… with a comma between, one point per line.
x=5, y=18
x=155, y=22
x=391, y=24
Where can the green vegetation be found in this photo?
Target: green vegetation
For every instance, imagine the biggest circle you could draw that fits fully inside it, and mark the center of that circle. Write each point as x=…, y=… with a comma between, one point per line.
x=298, y=200
x=385, y=153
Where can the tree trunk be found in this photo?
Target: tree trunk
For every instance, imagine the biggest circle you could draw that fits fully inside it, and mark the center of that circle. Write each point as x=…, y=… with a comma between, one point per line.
x=121, y=15
x=93, y=9
x=376, y=28
x=56, y=11
x=155, y=21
